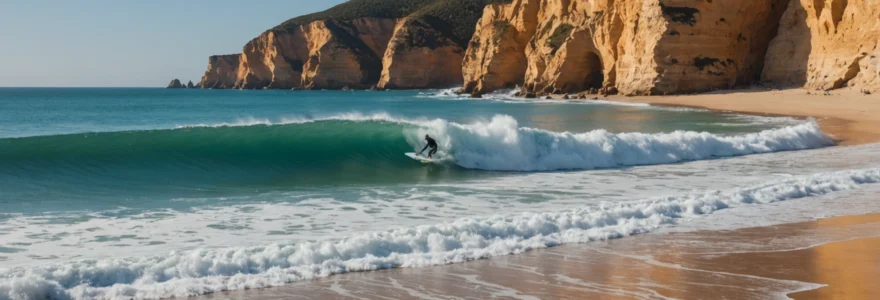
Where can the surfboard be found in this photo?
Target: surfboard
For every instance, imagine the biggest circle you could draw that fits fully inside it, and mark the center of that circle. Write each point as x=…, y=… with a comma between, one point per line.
x=419, y=158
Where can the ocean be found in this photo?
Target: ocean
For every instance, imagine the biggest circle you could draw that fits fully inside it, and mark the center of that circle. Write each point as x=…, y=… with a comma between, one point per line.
x=127, y=193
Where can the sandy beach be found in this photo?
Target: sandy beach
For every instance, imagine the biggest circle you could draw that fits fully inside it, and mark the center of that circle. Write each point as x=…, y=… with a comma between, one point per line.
x=850, y=117
x=834, y=258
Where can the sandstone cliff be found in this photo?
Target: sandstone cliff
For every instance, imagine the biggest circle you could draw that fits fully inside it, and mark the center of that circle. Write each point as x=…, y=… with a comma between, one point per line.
x=362, y=44
x=326, y=54
x=222, y=72
x=496, y=54
x=427, y=48
x=419, y=56
x=649, y=47
x=636, y=47
x=827, y=44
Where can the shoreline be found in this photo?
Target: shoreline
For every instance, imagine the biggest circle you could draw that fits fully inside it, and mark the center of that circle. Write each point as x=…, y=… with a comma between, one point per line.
x=833, y=258
x=848, y=116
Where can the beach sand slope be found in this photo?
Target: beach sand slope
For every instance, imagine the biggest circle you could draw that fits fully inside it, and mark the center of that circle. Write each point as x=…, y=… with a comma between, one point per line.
x=834, y=258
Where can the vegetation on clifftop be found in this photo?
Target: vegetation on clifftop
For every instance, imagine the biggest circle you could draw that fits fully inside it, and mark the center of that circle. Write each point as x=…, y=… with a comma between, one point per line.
x=456, y=19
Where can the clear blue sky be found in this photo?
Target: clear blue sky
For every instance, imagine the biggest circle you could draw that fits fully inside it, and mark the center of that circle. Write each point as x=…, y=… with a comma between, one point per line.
x=129, y=43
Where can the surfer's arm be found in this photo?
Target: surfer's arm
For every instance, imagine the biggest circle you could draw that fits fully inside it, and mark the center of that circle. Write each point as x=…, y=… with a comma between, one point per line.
x=423, y=149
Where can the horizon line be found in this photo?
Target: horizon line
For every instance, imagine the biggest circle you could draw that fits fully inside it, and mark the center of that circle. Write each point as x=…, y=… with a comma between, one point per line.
x=80, y=87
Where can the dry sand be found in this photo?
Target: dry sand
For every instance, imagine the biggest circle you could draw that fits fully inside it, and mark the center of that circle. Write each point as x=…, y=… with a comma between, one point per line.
x=849, y=116
x=835, y=258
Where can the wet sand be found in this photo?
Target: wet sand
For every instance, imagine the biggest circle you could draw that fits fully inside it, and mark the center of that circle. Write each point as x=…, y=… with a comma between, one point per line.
x=837, y=258
x=847, y=115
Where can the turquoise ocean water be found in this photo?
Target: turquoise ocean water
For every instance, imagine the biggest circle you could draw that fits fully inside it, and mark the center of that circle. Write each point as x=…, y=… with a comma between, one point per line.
x=92, y=149
x=147, y=193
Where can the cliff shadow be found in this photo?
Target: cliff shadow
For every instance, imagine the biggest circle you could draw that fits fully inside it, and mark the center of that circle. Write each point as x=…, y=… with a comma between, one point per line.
x=595, y=76
x=787, y=58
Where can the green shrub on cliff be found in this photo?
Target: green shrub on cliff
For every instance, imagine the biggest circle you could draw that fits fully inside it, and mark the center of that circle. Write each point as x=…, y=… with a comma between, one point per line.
x=560, y=35
x=454, y=18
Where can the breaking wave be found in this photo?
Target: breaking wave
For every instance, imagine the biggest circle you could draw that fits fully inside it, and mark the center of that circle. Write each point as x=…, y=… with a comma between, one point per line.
x=372, y=142
x=500, y=144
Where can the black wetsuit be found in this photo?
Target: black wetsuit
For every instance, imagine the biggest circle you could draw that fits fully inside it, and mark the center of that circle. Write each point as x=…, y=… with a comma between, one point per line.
x=431, y=143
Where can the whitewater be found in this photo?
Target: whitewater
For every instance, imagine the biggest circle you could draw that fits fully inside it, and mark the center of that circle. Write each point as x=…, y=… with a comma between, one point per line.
x=197, y=272
x=233, y=190
x=501, y=145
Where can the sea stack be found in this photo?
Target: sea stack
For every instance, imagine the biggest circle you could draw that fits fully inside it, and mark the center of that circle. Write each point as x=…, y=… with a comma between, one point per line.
x=175, y=84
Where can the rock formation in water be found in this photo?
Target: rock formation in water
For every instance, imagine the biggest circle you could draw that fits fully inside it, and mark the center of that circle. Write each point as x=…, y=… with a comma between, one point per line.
x=649, y=47
x=190, y=85
x=222, y=72
x=175, y=84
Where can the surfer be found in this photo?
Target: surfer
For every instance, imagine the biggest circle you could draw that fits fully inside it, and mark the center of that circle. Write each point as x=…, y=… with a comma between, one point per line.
x=431, y=143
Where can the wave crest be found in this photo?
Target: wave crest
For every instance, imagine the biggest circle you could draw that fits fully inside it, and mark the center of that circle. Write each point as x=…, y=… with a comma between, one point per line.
x=359, y=144
x=500, y=144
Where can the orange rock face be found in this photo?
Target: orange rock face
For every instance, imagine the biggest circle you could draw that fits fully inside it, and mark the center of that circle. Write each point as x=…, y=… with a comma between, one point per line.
x=222, y=72
x=496, y=55
x=323, y=54
x=637, y=47
x=419, y=56
x=650, y=47
x=363, y=53
x=827, y=44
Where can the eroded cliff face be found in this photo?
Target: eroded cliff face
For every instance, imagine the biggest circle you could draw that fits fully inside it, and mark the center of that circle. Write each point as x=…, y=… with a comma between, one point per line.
x=327, y=54
x=222, y=72
x=580, y=45
x=650, y=47
x=420, y=56
x=636, y=47
x=827, y=44
x=495, y=56
x=346, y=54
x=714, y=44
x=358, y=54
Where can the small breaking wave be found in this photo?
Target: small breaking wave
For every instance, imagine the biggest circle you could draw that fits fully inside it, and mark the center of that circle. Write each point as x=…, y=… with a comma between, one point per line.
x=509, y=96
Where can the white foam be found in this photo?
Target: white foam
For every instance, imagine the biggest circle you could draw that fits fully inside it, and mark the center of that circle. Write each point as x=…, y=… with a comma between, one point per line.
x=203, y=271
x=500, y=144
x=509, y=96
x=352, y=116
x=606, y=102
x=762, y=120
x=452, y=94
